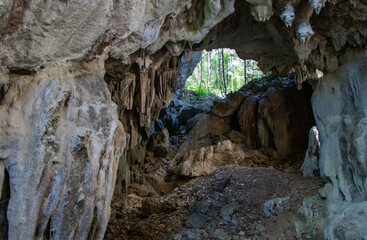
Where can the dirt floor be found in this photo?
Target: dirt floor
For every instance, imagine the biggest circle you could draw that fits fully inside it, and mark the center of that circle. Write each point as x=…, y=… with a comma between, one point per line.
x=227, y=204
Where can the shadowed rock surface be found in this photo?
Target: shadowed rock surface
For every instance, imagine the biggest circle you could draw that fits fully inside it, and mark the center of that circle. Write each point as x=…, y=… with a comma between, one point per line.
x=255, y=126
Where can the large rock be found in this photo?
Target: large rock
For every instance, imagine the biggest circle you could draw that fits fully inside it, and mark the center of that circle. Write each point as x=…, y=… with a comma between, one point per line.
x=60, y=144
x=204, y=160
x=339, y=105
x=270, y=114
x=208, y=125
x=229, y=105
x=267, y=119
x=282, y=109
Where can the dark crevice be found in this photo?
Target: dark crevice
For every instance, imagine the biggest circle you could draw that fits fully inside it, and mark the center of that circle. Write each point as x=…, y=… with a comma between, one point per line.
x=2, y=92
x=47, y=232
x=22, y=72
x=94, y=225
x=4, y=201
x=235, y=125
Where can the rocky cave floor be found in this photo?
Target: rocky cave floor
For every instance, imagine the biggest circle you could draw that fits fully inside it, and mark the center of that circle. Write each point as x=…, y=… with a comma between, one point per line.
x=226, y=204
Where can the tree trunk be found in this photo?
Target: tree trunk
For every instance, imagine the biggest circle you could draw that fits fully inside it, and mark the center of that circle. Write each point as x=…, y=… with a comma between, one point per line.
x=224, y=77
x=230, y=66
x=220, y=73
x=201, y=74
x=210, y=71
x=245, y=71
x=217, y=73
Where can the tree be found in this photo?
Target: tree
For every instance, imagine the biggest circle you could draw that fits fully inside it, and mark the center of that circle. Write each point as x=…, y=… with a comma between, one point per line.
x=224, y=77
x=210, y=71
x=245, y=71
x=201, y=75
x=220, y=70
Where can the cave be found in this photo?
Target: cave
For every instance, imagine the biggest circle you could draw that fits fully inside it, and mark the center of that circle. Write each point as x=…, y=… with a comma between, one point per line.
x=83, y=83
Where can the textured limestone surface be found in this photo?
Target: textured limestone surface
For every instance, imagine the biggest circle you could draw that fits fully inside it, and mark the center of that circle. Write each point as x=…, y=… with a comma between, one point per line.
x=188, y=65
x=204, y=160
x=292, y=35
x=339, y=105
x=310, y=167
x=60, y=145
x=47, y=50
x=255, y=126
x=37, y=32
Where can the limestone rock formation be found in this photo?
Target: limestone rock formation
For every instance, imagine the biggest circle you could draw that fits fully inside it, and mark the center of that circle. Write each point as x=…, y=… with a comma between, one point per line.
x=300, y=36
x=208, y=125
x=229, y=105
x=140, y=97
x=270, y=114
x=61, y=142
x=47, y=50
x=185, y=108
x=310, y=166
x=204, y=160
x=159, y=143
x=341, y=118
x=188, y=65
x=254, y=126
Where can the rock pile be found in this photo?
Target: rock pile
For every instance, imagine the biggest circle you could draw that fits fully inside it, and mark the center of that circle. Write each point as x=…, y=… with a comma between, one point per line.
x=226, y=204
x=255, y=126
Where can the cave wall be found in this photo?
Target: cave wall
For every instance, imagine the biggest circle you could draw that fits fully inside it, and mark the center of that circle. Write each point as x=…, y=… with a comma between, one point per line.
x=140, y=97
x=339, y=105
x=60, y=144
x=62, y=138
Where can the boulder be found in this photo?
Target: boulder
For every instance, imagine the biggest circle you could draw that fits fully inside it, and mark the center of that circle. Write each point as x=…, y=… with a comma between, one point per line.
x=229, y=105
x=269, y=114
x=204, y=160
x=208, y=125
x=275, y=206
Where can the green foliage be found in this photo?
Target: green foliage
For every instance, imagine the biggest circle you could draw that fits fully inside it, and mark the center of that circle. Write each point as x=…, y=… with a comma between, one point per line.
x=208, y=75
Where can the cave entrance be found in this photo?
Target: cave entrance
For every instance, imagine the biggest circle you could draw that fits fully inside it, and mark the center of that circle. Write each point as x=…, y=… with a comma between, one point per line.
x=221, y=71
x=207, y=167
x=223, y=128
x=268, y=118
